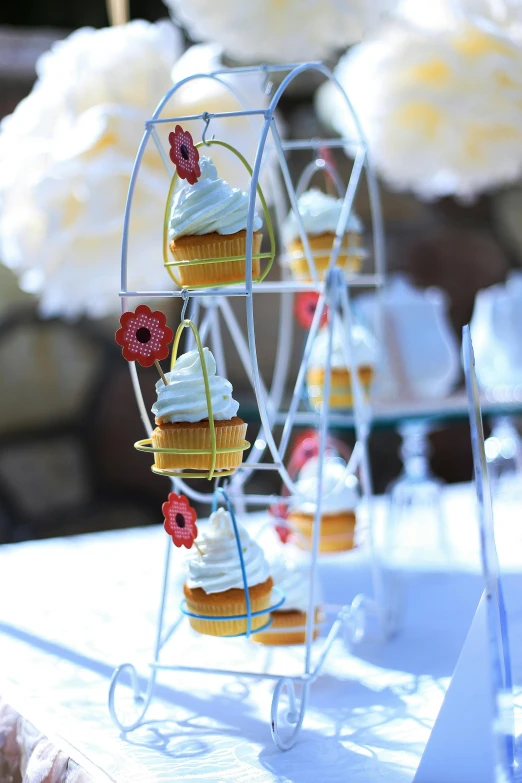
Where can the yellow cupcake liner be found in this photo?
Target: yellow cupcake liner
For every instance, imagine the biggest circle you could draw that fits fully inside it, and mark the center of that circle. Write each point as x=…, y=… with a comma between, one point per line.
x=301, y=271
x=189, y=438
x=341, y=393
x=287, y=628
x=340, y=399
x=196, y=273
x=340, y=542
x=337, y=532
x=283, y=639
x=349, y=258
x=228, y=627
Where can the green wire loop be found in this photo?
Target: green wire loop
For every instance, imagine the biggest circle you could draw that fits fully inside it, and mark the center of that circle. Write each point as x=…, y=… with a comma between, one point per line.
x=169, y=264
x=179, y=331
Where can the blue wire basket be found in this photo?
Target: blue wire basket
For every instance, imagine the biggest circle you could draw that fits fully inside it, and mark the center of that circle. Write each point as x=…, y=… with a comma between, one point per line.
x=249, y=614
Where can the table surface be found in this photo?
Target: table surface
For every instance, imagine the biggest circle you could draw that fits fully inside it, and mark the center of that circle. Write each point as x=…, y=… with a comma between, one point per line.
x=74, y=608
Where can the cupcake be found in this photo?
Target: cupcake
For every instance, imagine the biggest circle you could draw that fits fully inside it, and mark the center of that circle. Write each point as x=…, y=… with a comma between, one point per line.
x=215, y=587
x=320, y=215
x=208, y=221
x=292, y=576
x=339, y=501
x=365, y=349
x=182, y=416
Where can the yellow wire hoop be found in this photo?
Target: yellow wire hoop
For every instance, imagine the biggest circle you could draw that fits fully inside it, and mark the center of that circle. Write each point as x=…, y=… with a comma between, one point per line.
x=170, y=264
x=146, y=445
x=179, y=331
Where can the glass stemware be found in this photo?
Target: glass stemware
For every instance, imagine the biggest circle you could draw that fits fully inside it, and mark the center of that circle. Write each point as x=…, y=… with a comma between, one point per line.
x=415, y=525
x=504, y=456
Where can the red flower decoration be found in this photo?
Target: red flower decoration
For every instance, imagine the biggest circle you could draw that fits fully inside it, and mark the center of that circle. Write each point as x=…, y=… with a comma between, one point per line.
x=184, y=155
x=326, y=154
x=280, y=511
x=304, y=309
x=144, y=336
x=306, y=446
x=180, y=520
x=283, y=531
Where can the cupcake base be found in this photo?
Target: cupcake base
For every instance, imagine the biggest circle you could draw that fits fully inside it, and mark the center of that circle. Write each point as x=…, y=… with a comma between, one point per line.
x=227, y=604
x=288, y=627
x=341, y=393
x=196, y=249
x=321, y=245
x=230, y=433
x=336, y=534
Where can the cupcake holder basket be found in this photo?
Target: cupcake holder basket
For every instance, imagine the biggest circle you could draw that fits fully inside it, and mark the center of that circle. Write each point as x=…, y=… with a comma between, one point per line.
x=213, y=451
x=220, y=492
x=319, y=165
x=171, y=265
x=210, y=308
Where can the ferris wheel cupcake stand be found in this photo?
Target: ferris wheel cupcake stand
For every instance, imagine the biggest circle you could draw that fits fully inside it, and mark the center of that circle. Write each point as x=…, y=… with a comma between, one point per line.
x=335, y=293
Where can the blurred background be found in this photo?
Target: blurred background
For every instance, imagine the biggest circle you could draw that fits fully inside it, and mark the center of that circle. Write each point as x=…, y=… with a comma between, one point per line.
x=439, y=97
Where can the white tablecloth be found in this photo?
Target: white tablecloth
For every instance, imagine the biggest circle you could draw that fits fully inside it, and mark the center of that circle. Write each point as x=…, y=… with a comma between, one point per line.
x=72, y=609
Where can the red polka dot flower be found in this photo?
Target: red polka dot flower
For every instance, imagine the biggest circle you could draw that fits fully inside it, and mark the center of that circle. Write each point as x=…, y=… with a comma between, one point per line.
x=180, y=520
x=304, y=309
x=279, y=512
x=284, y=531
x=144, y=336
x=184, y=155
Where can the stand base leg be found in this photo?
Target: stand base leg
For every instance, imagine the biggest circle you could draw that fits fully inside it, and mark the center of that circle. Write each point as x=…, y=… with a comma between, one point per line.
x=142, y=702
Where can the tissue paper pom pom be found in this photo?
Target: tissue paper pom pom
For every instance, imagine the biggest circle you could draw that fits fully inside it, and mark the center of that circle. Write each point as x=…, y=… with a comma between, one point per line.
x=67, y=153
x=441, y=109
x=502, y=12
x=446, y=14
x=281, y=31
x=66, y=156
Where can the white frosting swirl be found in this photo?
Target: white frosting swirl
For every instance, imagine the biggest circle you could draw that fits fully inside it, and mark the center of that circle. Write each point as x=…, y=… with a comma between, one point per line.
x=184, y=399
x=293, y=578
x=364, y=345
x=340, y=490
x=218, y=568
x=209, y=205
x=320, y=213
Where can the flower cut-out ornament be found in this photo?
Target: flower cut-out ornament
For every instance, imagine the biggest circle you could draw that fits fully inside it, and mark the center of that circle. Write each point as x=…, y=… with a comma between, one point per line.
x=306, y=447
x=144, y=336
x=304, y=309
x=283, y=531
x=184, y=155
x=180, y=520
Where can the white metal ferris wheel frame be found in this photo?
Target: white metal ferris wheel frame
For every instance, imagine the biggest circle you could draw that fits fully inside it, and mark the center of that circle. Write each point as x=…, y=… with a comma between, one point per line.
x=334, y=292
